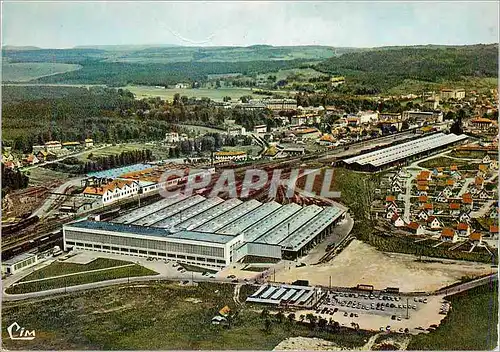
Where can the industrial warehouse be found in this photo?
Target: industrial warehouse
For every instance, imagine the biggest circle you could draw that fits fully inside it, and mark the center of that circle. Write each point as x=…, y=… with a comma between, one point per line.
x=208, y=232
x=403, y=153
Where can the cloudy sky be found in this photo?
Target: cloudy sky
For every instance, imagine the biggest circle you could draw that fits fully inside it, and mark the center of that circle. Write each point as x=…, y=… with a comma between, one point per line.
x=354, y=24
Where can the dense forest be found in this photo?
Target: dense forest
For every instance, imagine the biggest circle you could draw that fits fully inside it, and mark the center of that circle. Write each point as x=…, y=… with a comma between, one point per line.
x=106, y=115
x=120, y=74
x=13, y=179
x=378, y=70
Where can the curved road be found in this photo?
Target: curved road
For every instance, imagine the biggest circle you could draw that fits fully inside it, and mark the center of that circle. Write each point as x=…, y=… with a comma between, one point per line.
x=190, y=277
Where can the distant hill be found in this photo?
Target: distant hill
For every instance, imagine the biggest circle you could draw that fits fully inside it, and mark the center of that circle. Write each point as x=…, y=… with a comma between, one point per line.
x=18, y=48
x=383, y=68
x=125, y=47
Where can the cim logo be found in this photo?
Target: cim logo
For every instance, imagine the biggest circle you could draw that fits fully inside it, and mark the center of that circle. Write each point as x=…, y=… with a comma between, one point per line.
x=16, y=332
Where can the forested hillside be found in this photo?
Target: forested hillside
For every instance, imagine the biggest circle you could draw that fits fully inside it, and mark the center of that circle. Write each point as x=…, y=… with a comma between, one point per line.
x=383, y=68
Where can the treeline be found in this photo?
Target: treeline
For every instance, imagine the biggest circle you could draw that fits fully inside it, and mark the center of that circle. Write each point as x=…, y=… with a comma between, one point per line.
x=106, y=162
x=375, y=71
x=208, y=143
x=13, y=179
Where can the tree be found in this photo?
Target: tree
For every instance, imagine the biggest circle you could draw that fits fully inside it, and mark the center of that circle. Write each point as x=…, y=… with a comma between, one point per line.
x=405, y=125
x=280, y=316
x=267, y=325
x=456, y=128
x=291, y=317
x=302, y=317
x=264, y=314
x=312, y=318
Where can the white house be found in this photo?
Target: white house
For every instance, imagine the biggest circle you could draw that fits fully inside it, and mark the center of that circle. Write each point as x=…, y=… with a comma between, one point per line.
x=89, y=143
x=390, y=214
x=397, y=221
x=483, y=194
x=433, y=223
x=113, y=191
x=465, y=217
x=447, y=192
x=423, y=214
x=230, y=156
x=260, y=129
x=172, y=137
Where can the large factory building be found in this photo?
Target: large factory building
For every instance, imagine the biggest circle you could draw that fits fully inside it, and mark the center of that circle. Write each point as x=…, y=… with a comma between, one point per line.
x=208, y=232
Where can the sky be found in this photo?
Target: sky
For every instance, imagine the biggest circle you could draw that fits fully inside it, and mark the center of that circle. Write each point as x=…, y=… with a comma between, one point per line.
x=341, y=24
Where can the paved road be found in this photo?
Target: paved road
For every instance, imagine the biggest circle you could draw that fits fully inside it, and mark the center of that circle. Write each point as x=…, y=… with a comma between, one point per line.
x=484, y=209
x=467, y=182
x=468, y=285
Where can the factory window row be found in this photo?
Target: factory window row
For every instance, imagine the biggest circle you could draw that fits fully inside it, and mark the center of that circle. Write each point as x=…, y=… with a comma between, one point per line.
x=148, y=244
x=135, y=252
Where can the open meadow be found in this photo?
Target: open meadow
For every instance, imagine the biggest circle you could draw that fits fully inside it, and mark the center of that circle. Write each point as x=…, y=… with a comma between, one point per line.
x=156, y=316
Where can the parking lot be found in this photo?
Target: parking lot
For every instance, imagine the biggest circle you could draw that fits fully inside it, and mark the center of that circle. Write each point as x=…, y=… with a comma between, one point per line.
x=348, y=303
x=381, y=311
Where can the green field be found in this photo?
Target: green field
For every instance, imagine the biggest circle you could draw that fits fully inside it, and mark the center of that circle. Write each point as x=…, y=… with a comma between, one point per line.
x=470, y=325
x=26, y=71
x=442, y=161
x=168, y=94
x=164, y=316
x=61, y=268
x=300, y=73
x=412, y=86
x=83, y=277
x=40, y=176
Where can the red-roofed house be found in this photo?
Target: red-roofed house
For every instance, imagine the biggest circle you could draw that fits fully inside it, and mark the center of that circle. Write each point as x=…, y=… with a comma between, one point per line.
x=389, y=199
x=424, y=176
x=429, y=207
x=455, y=208
x=476, y=237
x=422, y=200
x=463, y=229
x=494, y=229
x=478, y=181
x=448, y=235
x=416, y=228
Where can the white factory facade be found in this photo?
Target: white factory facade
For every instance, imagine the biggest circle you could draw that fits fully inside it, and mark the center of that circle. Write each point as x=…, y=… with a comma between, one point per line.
x=208, y=232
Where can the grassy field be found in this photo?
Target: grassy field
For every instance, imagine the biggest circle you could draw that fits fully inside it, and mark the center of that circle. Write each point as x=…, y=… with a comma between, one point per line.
x=61, y=268
x=24, y=72
x=40, y=176
x=163, y=316
x=159, y=152
x=442, y=161
x=471, y=324
x=301, y=73
x=252, y=150
x=168, y=94
x=468, y=154
x=82, y=277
